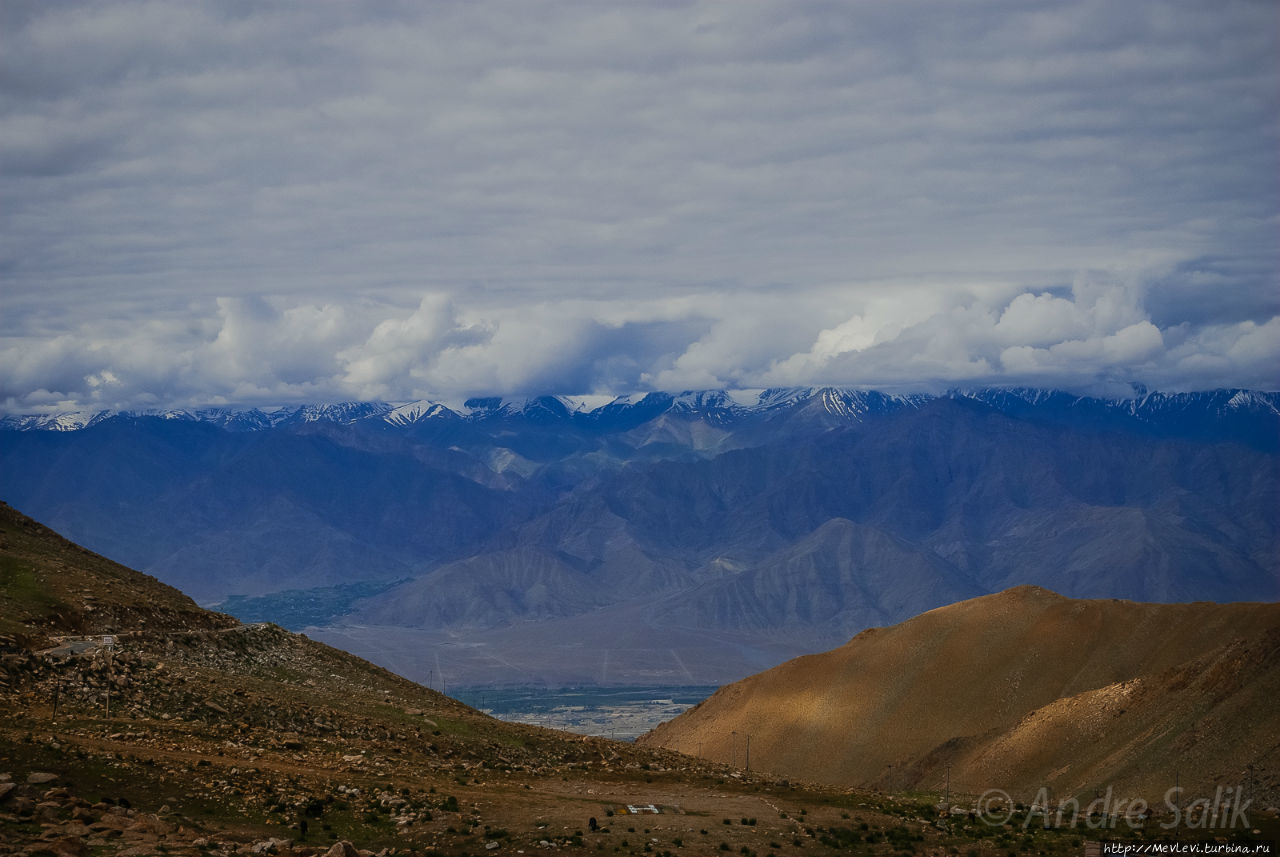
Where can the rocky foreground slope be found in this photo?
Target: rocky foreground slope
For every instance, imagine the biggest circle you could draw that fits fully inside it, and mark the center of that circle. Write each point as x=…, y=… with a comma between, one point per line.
x=187, y=733
x=1019, y=690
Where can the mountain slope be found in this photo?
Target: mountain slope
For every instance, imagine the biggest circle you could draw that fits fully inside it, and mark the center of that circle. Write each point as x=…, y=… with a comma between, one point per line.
x=193, y=734
x=50, y=586
x=1016, y=690
x=794, y=515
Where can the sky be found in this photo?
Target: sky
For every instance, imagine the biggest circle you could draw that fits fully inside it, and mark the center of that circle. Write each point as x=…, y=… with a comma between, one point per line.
x=247, y=203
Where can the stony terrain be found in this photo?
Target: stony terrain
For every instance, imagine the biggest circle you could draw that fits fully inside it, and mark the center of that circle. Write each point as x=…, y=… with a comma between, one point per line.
x=207, y=737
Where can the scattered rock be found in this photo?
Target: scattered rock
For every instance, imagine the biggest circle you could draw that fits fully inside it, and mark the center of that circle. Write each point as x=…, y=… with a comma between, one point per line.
x=269, y=846
x=342, y=849
x=6, y=789
x=149, y=825
x=70, y=846
x=491, y=846
x=39, y=778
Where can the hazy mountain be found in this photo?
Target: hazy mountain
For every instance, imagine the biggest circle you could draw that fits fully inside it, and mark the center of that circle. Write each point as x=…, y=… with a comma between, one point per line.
x=801, y=515
x=1025, y=689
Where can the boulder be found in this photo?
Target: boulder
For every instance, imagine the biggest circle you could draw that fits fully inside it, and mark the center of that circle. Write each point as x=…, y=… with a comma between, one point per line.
x=269, y=846
x=39, y=778
x=69, y=846
x=342, y=849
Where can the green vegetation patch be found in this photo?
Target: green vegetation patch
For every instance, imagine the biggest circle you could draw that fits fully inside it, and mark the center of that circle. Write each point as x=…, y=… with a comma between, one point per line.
x=296, y=609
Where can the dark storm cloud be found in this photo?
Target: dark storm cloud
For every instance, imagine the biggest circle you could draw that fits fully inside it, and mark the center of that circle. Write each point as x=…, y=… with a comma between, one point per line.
x=240, y=202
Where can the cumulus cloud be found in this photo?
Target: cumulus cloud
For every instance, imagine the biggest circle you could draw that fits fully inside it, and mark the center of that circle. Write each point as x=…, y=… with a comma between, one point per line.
x=215, y=201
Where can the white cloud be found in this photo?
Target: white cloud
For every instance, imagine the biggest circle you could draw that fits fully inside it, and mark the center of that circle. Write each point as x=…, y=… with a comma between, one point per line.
x=210, y=200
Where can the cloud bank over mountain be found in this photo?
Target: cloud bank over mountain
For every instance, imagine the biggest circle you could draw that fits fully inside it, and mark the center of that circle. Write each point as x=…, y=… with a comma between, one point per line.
x=223, y=202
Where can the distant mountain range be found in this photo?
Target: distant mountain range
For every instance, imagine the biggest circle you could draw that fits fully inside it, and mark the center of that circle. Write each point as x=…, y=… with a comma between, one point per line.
x=719, y=532
x=1216, y=414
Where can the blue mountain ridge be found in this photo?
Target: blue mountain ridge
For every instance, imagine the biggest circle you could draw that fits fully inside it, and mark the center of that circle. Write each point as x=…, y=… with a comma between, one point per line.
x=713, y=520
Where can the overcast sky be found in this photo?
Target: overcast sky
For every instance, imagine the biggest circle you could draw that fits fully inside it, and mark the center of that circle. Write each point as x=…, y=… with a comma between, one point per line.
x=267, y=203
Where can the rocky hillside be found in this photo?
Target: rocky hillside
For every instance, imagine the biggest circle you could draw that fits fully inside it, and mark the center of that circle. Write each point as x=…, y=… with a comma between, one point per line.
x=194, y=735
x=1018, y=690
x=50, y=587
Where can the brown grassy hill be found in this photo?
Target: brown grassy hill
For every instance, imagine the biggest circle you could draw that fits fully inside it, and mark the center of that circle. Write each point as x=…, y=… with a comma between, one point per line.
x=50, y=586
x=1016, y=690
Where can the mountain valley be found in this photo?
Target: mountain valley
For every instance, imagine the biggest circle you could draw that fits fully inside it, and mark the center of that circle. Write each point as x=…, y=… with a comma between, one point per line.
x=134, y=723
x=738, y=528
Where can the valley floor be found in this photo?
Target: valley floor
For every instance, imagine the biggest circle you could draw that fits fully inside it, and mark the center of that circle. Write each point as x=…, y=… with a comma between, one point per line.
x=622, y=713
x=602, y=650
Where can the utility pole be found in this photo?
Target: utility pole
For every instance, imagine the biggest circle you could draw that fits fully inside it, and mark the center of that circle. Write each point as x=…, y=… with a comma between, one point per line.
x=748, y=752
x=948, y=801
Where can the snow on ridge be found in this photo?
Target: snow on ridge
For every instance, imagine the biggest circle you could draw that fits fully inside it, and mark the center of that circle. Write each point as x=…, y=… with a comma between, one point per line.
x=587, y=404
x=746, y=398
x=703, y=400
x=413, y=412
x=716, y=405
